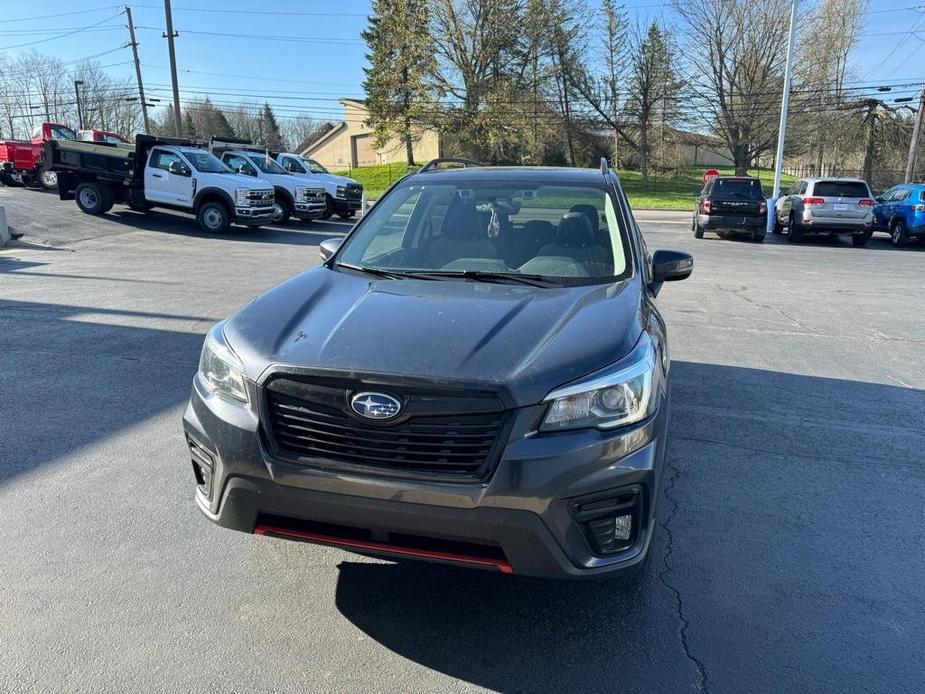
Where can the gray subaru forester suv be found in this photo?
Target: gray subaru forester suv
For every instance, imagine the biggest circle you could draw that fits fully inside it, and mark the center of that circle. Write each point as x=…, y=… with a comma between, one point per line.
x=476, y=375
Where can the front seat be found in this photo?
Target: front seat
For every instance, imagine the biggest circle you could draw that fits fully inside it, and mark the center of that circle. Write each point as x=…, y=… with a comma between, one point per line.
x=464, y=235
x=601, y=237
x=575, y=240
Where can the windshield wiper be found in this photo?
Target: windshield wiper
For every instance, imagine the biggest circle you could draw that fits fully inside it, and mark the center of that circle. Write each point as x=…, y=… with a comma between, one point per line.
x=486, y=276
x=375, y=271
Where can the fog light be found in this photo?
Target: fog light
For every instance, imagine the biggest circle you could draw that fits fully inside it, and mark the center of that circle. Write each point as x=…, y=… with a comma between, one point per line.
x=611, y=533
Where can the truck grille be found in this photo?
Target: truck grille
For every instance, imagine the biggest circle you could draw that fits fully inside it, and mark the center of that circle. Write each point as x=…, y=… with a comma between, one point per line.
x=315, y=429
x=260, y=198
x=314, y=195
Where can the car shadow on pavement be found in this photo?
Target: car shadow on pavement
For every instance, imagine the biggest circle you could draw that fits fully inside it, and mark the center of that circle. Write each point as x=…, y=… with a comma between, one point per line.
x=295, y=233
x=789, y=541
x=73, y=376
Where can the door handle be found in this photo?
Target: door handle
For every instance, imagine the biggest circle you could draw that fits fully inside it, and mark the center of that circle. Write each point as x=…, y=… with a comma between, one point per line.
x=157, y=175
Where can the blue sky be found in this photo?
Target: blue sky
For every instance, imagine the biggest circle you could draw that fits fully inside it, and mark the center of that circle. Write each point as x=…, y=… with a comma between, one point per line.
x=321, y=55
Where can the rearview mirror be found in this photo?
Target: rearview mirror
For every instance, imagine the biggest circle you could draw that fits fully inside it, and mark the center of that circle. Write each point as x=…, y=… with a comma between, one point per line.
x=670, y=266
x=328, y=248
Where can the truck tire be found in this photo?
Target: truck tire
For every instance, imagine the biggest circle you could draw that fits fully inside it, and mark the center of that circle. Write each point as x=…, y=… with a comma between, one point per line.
x=328, y=207
x=93, y=198
x=281, y=210
x=347, y=214
x=213, y=217
x=778, y=227
x=48, y=180
x=8, y=179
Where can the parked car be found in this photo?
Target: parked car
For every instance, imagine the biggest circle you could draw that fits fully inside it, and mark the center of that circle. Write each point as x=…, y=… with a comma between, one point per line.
x=477, y=375
x=343, y=196
x=169, y=173
x=731, y=204
x=900, y=211
x=21, y=162
x=295, y=196
x=834, y=206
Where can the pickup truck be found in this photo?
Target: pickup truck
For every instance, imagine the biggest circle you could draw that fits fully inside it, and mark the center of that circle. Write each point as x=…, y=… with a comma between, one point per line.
x=21, y=162
x=100, y=136
x=158, y=172
x=295, y=195
x=343, y=196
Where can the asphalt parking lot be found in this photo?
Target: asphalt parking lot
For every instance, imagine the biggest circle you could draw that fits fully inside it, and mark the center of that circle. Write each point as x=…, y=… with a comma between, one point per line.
x=790, y=557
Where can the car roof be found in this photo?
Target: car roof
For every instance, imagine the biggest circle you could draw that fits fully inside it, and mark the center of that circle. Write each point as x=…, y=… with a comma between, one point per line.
x=537, y=174
x=846, y=179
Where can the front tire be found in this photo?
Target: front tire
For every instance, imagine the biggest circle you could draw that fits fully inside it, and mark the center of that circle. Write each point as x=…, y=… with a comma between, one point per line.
x=795, y=230
x=214, y=218
x=8, y=179
x=899, y=237
x=48, y=180
x=281, y=211
x=93, y=198
x=347, y=214
x=328, y=207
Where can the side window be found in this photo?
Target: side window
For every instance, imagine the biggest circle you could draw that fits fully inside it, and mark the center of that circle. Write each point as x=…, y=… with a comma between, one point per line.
x=801, y=189
x=162, y=160
x=236, y=162
x=292, y=165
x=888, y=195
x=902, y=194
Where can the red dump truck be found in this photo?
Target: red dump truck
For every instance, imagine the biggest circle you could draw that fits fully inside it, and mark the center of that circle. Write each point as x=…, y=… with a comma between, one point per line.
x=21, y=162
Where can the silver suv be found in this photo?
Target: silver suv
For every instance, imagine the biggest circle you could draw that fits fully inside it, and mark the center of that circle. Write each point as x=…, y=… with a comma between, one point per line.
x=834, y=206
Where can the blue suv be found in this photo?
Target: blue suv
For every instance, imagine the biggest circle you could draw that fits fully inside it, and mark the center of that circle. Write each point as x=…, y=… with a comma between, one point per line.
x=901, y=212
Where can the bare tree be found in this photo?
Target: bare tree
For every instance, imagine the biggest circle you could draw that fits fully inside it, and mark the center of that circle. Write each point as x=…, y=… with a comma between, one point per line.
x=736, y=63
x=298, y=129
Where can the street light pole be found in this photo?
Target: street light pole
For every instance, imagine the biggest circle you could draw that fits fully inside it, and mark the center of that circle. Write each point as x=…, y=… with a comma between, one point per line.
x=785, y=103
x=177, y=123
x=916, y=132
x=80, y=114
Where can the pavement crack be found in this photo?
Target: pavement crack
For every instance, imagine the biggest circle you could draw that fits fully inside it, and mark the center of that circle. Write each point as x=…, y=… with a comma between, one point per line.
x=666, y=569
x=740, y=292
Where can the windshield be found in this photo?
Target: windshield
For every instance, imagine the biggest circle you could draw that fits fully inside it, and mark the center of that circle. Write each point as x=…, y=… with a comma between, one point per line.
x=562, y=234
x=841, y=189
x=314, y=166
x=738, y=188
x=205, y=162
x=267, y=165
x=60, y=132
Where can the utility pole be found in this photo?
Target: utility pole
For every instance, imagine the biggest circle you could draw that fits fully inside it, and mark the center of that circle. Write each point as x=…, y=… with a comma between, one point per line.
x=913, y=146
x=785, y=103
x=782, y=130
x=177, y=123
x=80, y=113
x=141, y=90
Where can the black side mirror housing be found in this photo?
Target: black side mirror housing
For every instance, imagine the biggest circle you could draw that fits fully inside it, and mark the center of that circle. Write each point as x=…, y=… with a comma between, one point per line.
x=328, y=248
x=670, y=266
x=178, y=169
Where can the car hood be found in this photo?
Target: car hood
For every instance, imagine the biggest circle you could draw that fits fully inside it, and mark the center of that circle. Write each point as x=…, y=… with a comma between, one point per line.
x=244, y=181
x=335, y=179
x=525, y=339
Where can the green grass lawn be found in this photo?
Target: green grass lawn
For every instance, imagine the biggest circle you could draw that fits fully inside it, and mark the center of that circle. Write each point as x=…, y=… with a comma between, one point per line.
x=675, y=193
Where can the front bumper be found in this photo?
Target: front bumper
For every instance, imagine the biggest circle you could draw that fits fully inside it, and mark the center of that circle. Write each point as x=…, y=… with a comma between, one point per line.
x=347, y=205
x=309, y=210
x=253, y=216
x=717, y=222
x=523, y=517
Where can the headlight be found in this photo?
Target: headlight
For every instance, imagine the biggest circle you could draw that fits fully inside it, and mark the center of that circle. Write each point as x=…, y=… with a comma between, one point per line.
x=614, y=400
x=301, y=194
x=342, y=191
x=220, y=369
x=240, y=196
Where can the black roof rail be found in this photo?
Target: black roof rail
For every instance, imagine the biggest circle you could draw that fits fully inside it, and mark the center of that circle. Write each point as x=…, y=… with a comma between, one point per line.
x=434, y=164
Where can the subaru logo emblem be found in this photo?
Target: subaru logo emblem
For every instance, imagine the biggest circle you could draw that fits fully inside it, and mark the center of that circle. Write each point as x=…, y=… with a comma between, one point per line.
x=375, y=405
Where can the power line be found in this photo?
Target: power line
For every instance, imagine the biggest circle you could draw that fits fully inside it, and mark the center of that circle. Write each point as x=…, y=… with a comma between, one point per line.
x=265, y=37
x=260, y=12
x=61, y=36
x=60, y=14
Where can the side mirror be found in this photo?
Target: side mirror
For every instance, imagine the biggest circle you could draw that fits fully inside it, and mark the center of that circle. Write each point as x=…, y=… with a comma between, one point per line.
x=328, y=248
x=670, y=266
x=178, y=169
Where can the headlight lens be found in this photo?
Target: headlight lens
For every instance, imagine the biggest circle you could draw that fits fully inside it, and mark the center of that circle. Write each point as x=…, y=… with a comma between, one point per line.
x=622, y=398
x=301, y=194
x=240, y=196
x=342, y=191
x=220, y=369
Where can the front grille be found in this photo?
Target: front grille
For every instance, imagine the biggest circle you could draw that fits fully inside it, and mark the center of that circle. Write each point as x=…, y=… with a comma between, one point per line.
x=314, y=195
x=260, y=198
x=459, y=445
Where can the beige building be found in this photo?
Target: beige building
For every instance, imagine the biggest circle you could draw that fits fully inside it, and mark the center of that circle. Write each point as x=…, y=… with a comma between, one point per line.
x=350, y=143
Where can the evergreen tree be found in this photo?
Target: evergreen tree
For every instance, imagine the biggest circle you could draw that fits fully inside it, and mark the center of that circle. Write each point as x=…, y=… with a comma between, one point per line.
x=271, y=137
x=401, y=59
x=189, y=125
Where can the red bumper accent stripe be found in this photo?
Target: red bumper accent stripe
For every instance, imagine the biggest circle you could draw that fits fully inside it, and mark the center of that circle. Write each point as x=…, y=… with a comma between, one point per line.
x=349, y=543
